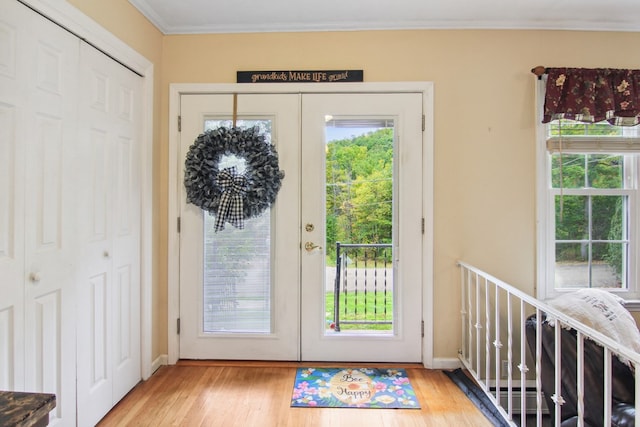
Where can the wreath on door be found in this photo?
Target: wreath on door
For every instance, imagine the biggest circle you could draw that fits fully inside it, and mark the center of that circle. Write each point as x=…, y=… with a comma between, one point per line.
x=227, y=194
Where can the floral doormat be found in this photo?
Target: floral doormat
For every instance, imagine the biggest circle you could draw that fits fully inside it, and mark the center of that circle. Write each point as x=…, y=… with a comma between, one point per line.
x=353, y=388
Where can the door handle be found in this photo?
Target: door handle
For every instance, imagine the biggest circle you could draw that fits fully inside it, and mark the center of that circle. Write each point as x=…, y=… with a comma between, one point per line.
x=310, y=246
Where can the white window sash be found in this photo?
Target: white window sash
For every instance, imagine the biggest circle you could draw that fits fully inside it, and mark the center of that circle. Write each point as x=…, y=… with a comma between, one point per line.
x=546, y=198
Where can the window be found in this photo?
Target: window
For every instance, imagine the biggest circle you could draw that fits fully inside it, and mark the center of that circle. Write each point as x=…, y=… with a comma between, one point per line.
x=587, y=208
x=236, y=282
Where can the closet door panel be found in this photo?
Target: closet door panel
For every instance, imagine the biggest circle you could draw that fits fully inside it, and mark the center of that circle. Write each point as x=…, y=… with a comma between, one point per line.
x=50, y=196
x=108, y=227
x=11, y=250
x=95, y=231
x=12, y=105
x=126, y=240
x=94, y=290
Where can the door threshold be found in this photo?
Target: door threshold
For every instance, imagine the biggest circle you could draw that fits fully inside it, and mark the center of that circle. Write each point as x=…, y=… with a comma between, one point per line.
x=294, y=364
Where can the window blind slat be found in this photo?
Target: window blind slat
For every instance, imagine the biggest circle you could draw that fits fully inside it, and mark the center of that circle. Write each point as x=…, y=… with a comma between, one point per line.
x=577, y=144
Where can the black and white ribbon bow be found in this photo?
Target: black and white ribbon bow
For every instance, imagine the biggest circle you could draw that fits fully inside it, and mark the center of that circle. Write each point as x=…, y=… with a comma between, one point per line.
x=233, y=188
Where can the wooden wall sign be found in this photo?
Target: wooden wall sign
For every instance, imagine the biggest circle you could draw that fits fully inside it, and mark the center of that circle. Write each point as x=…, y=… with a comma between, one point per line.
x=306, y=76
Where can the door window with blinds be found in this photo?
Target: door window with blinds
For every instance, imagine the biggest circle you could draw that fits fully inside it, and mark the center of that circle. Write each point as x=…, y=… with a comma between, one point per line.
x=237, y=262
x=590, y=215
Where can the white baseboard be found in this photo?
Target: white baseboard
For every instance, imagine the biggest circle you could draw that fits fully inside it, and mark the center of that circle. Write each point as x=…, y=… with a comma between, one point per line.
x=445, y=363
x=438, y=363
x=158, y=362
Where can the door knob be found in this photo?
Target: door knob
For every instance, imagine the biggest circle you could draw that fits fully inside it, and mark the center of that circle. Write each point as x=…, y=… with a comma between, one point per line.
x=34, y=277
x=310, y=246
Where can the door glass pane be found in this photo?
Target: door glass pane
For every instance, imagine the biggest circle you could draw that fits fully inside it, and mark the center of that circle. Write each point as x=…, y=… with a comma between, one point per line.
x=359, y=225
x=237, y=262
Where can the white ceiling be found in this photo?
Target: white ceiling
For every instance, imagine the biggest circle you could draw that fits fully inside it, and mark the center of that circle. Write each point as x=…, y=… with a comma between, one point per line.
x=235, y=16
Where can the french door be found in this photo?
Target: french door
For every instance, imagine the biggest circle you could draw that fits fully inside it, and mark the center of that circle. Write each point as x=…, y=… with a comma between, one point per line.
x=265, y=292
x=391, y=191
x=240, y=289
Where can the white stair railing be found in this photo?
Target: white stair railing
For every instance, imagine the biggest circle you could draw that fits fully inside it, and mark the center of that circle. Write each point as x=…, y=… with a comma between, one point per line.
x=502, y=316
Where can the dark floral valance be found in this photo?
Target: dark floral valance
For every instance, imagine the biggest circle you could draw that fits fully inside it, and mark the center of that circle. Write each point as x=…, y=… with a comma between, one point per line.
x=593, y=95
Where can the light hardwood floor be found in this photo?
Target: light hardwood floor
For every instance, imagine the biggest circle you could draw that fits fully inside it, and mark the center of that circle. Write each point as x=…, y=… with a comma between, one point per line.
x=248, y=394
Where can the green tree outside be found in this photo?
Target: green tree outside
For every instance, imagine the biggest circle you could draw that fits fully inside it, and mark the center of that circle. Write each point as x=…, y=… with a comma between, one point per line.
x=359, y=190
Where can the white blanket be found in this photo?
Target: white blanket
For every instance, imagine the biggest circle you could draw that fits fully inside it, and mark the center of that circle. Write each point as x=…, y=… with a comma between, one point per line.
x=602, y=311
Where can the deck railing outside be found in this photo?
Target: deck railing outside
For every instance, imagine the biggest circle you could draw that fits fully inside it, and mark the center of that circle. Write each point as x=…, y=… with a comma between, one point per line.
x=495, y=353
x=363, y=286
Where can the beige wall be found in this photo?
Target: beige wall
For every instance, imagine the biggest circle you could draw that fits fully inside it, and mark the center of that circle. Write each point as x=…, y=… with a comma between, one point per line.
x=484, y=126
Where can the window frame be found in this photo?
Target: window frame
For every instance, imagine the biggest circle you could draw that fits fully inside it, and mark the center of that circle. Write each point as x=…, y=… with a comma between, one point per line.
x=545, y=214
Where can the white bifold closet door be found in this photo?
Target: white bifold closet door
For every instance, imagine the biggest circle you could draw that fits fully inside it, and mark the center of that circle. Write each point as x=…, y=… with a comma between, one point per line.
x=69, y=218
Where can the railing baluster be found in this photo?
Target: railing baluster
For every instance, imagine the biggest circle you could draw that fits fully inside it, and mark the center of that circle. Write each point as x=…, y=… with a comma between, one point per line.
x=463, y=312
x=375, y=287
x=336, y=290
x=497, y=344
x=538, y=368
x=487, y=339
x=470, y=320
x=345, y=281
x=523, y=365
x=366, y=283
x=478, y=326
x=580, y=376
x=637, y=399
x=557, y=396
x=355, y=289
x=607, y=387
x=385, y=282
x=509, y=356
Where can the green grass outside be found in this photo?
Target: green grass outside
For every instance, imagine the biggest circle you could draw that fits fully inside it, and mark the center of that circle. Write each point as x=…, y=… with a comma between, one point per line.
x=363, y=309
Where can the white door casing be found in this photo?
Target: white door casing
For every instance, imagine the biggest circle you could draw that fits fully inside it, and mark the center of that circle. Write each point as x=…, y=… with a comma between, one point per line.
x=410, y=157
x=177, y=90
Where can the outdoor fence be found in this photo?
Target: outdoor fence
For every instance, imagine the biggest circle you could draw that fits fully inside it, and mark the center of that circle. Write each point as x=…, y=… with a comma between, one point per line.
x=363, y=286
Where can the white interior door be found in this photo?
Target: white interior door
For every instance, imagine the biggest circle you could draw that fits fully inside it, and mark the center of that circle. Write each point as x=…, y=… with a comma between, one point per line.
x=366, y=191
x=240, y=289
